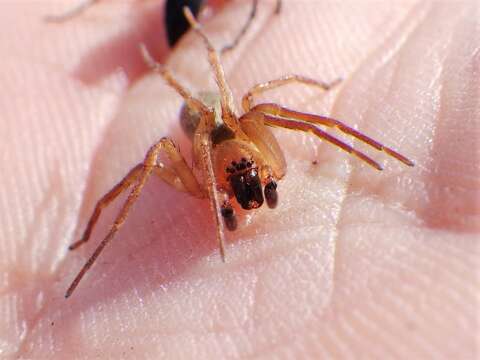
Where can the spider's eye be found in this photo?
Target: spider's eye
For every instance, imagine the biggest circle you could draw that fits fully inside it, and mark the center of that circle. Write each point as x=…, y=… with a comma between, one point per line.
x=271, y=194
x=247, y=188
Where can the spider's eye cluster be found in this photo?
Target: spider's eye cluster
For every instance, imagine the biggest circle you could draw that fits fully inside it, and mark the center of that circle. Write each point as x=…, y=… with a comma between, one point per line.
x=239, y=166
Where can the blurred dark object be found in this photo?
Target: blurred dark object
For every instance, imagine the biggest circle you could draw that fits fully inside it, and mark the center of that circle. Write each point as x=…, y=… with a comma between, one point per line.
x=175, y=21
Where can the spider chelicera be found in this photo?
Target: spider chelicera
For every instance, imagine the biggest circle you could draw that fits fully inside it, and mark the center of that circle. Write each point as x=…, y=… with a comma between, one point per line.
x=239, y=159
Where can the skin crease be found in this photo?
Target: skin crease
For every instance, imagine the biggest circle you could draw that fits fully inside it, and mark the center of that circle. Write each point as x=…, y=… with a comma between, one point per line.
x=353, y=263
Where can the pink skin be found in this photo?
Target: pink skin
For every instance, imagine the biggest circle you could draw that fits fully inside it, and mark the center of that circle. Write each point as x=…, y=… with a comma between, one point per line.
x=353, y=261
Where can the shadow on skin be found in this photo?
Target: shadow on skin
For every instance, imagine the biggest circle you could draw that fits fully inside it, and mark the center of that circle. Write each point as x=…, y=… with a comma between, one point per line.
x=454, y=201
x=440, y=189
x=165, y=233
x=146, y=26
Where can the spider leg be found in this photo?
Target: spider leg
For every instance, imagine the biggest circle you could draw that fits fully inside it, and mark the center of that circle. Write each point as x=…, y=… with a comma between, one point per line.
x=243, y=30
x=138, y=176
x=155, y=66
x=72, y=12
x=247, y=100
x=202, y=143
x=311, y=128
x=247, y=24
x=214, y=60
x=279, y=111
x=185, y=183
x=226, y=98
x=217, y=199
x=253, y=125
x=106, y=199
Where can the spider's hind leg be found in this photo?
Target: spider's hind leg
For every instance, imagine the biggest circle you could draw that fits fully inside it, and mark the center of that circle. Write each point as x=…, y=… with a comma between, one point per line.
x=106, y=199
x=178, y=174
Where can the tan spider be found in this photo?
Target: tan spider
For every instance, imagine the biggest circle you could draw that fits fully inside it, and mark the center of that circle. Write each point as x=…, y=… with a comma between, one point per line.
x=238, y=157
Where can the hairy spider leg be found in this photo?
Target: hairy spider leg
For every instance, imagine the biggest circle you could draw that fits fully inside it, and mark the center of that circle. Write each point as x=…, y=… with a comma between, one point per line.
x=311, y=128
x=248, y=23
x=253, y=125
x=169, y=175
x=244, y=28
x=279, y=111
x=138, y=176
x=247, y=99
x=226, y=98
x=106, y=199
x=202, y=144
x=155, y=66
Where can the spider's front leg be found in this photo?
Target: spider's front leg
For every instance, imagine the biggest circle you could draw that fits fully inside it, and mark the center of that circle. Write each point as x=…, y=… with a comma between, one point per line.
x=178, y=174
x=202, y=141
x=278, y=116
x=248, y=98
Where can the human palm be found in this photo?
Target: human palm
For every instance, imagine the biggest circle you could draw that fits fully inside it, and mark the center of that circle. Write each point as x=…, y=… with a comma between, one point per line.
x=353, y=262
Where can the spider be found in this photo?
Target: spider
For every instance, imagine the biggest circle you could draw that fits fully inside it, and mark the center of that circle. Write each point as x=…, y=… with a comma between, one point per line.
x=238, y=157
x=175, y=23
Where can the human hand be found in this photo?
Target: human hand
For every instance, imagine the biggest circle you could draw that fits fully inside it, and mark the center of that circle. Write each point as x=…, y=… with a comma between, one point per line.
x=352, y=263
